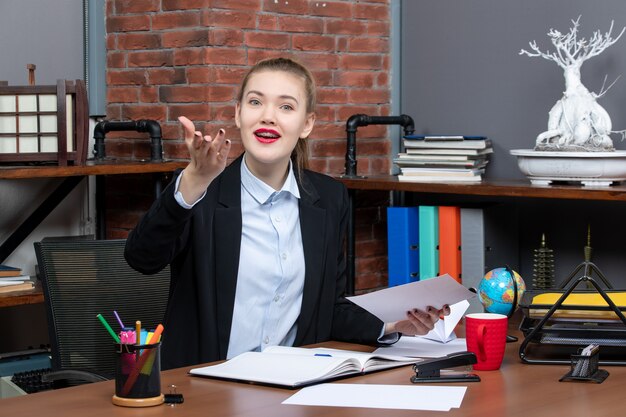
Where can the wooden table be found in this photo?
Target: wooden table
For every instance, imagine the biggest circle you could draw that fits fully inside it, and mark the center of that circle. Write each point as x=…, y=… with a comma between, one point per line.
x=514, y=390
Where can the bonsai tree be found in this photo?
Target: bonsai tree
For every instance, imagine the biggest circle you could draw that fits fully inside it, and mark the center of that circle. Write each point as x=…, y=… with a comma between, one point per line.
x=576, y=122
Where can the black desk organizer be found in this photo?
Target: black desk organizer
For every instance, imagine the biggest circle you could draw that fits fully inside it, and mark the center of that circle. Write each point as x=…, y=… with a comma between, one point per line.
x=559, y=340
x=585, y=368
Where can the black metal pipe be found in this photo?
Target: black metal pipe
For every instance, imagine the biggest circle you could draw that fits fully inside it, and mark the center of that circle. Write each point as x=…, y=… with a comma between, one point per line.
x=352, y=125
x=101, y=208
x=152, y=127
x=350, y=245
x=357, y=120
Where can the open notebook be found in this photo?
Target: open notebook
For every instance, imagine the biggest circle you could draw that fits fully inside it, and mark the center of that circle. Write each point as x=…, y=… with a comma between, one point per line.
x=294, y=367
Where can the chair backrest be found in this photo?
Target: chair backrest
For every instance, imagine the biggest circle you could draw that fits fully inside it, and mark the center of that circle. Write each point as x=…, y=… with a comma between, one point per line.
x=84, y=278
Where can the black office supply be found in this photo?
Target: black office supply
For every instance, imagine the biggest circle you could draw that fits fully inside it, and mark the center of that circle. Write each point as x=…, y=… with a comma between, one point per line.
x=557, y=337
x=174, y=399
x=585, y=366
x=430, y=370
x=32, y=381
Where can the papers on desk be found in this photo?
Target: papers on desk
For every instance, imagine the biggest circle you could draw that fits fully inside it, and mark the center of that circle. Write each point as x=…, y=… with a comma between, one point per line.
x=420, y=347
x=16, y=283
x=391, y=304
x=399, y=397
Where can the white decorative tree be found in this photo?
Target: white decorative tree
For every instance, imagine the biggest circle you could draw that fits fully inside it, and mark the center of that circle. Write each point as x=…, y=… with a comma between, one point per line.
x=576, y=122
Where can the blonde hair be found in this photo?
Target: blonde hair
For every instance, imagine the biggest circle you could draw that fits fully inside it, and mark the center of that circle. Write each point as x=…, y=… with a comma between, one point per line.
x=300, y=154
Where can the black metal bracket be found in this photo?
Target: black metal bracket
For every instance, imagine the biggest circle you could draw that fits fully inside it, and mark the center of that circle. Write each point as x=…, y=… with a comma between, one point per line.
x=357, y=120
x=152, y=127
x=539, y=327
x=37, y=216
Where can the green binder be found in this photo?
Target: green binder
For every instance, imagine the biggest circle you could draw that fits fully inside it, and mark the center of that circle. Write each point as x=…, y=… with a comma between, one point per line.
x=428, y=241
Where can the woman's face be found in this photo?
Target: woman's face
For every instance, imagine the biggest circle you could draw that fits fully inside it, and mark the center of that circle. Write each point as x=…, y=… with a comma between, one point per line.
x=272, y=117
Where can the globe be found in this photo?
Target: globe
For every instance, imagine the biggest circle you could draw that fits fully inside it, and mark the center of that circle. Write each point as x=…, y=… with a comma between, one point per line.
x=496, y=290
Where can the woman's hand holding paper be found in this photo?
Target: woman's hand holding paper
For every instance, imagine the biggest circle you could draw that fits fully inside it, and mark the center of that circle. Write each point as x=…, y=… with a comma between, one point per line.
x=418, y=322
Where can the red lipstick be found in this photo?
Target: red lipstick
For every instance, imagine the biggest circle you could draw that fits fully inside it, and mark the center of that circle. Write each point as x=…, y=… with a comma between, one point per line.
x=266, y=135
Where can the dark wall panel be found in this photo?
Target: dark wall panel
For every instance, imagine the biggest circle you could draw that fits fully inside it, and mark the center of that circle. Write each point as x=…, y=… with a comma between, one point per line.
x=47, y=33
x=462, y=73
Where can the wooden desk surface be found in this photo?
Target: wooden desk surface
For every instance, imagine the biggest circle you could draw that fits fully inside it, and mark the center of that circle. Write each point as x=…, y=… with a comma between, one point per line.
x=514, y=390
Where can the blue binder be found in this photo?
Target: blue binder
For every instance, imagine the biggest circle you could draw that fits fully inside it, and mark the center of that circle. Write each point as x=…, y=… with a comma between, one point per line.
x=429, y=241
x=402, y=244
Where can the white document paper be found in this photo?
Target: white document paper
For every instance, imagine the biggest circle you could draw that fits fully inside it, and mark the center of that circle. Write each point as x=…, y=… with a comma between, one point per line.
x=15, y=278
x=399, y=397
x=420, y=347
x=391, y=304
x=444, y=328
x=8, y=283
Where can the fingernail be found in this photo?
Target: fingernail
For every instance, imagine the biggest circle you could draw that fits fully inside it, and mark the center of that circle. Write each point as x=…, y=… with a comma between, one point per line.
x=222, y=132
x=228, y=141
x=408, y=313
x=415, y=310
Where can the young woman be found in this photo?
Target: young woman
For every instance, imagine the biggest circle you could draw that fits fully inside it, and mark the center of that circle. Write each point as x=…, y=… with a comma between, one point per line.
x=256, y=248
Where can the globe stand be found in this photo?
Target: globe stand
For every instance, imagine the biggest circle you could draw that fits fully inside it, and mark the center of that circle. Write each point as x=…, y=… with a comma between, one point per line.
x=510, y=338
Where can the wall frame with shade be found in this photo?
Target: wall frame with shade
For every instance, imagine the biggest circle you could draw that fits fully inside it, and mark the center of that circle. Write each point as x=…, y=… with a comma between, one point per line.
x=44, y=123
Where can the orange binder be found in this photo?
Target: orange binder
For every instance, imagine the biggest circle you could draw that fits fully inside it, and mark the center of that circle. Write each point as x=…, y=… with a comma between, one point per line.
x=450, y=241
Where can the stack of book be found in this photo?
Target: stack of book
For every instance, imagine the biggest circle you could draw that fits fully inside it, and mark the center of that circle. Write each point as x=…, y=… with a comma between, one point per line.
x=11, y=279
x=443, y=158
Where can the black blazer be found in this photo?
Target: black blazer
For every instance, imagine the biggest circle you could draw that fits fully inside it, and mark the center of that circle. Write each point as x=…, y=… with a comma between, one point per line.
x=202, y=246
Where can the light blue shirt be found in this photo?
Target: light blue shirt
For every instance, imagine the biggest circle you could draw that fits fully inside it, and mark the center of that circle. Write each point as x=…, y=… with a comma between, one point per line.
x=270, y=280
x=271, y=266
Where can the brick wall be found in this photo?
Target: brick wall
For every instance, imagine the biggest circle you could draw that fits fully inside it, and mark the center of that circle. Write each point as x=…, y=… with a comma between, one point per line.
x=167, y=58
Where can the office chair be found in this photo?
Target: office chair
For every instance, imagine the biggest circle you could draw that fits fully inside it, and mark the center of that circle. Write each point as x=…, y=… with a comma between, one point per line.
x=81, y=279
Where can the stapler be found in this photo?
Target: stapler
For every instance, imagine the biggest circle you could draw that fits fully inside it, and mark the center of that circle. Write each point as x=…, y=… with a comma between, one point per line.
x=430, y=370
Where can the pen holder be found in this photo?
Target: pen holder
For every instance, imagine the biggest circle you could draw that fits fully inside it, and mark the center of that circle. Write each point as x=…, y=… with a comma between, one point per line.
x=138, y=375
x=585, y=368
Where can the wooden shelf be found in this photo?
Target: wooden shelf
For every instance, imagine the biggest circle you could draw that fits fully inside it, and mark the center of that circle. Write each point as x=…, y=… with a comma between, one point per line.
x=510, y=188
x=16, y=298
x=107, y=167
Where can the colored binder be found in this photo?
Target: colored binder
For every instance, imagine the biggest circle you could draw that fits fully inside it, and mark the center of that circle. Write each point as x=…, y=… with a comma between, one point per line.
x=489, y=239
x=402, y=244
x=450, y=241
x=428, y=241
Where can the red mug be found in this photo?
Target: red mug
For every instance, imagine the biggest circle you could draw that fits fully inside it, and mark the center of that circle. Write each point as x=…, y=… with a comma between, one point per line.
x=485, y=334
